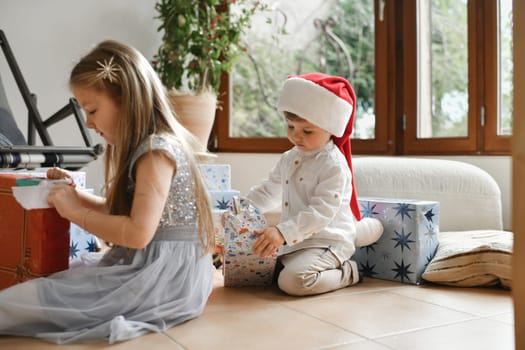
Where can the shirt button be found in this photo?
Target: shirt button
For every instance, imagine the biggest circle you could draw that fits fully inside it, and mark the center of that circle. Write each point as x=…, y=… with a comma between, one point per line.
x=287, y=182
x=336, y=195
x=300, y=179
x=285, y=204
x=296, y=162
x=294, y=241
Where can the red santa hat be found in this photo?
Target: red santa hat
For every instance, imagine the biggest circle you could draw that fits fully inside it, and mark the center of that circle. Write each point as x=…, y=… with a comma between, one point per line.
x=323, y=100
x=329, y=103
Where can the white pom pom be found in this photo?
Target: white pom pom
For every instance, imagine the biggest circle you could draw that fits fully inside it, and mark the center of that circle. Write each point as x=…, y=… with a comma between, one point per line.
x=368, y=231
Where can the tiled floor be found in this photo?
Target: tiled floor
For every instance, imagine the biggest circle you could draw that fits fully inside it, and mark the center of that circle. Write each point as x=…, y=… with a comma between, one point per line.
x=374, y=315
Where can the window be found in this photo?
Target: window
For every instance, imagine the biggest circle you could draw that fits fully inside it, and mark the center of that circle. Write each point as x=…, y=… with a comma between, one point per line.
x=453, y=98
x=431, y=77
x=504, y=68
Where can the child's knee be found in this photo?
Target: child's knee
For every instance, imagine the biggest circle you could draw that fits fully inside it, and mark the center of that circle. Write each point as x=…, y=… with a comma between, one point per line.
x=297, y=284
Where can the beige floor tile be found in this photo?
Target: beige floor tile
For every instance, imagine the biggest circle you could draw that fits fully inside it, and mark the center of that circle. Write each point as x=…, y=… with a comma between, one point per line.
x=379, y=284
x=273, y=294
x=476, y=301
x=228, y=299
x=481, y=334
x=378, y=314
x=373, y=315
x=366, y=345
x=367, y=285
x=269, y=327
x=152, y=341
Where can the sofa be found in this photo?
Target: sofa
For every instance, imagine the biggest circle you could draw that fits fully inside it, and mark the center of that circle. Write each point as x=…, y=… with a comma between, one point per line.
x=469, y=197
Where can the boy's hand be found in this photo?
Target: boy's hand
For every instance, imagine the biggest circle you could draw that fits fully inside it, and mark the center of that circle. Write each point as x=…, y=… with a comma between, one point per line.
x=270, y=239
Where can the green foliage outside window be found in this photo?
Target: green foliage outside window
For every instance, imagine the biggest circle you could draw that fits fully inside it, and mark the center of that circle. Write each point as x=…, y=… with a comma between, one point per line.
x=258, y=77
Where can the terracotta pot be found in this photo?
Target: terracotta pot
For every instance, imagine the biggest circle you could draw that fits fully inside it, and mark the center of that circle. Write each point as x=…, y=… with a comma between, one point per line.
x=197, y=114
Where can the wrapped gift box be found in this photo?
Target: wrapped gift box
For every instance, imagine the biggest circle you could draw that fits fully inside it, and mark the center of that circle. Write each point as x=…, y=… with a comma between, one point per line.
x=218, y=254
x=34, y=242
x=408, y=243
x=217, y=177
x=241, y=267
x=221, y=200
x=81, y=242
x=79, y=177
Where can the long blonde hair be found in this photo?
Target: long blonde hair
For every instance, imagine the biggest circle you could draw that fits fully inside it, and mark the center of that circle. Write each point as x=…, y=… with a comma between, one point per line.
x=146, y=111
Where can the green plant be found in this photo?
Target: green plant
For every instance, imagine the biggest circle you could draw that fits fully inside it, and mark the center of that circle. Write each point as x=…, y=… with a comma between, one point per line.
x=200, y=41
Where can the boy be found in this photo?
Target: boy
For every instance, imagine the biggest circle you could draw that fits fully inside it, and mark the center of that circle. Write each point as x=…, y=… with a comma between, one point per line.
x=316, y=235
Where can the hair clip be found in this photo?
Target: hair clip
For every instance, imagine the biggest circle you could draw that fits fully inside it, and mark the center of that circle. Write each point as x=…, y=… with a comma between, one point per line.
x=108, y=70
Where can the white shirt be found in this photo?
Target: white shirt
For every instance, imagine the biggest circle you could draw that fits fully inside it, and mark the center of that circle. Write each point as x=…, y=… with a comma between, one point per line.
x=314, y=189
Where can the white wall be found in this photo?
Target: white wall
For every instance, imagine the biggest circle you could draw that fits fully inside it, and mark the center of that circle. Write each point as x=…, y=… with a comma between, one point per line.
x=48, y=37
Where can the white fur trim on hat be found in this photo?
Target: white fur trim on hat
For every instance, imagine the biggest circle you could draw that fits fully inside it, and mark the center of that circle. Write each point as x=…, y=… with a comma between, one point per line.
x=316, y=104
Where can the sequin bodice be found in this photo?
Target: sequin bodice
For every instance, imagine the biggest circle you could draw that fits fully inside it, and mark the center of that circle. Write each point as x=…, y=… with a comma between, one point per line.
x=180, y=209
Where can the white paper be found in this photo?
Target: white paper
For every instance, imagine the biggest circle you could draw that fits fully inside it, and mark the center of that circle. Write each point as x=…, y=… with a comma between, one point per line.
x=35, y=197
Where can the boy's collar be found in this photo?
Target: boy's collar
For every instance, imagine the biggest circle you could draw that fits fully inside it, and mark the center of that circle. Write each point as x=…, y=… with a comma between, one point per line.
x=326, y=146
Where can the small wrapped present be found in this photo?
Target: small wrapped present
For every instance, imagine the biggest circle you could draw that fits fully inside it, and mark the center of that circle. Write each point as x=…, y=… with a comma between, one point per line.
x=221, y=200
x=408, y=243
x=217, y=177
x=241, y=267
x=79, y=177
x=31, y=193
x=35, y=242
x=81, y=242
x=218, y=254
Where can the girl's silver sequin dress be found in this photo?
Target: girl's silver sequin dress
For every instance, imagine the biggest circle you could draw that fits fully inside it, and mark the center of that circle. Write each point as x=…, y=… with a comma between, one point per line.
x=125, y=293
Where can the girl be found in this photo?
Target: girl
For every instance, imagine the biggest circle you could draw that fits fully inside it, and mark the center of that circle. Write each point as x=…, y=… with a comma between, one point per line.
x=156, y=213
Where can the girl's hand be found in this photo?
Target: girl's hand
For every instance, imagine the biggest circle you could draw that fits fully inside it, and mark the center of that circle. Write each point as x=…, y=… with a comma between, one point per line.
x=65, y=199
x=57, y=173
x=270, y=239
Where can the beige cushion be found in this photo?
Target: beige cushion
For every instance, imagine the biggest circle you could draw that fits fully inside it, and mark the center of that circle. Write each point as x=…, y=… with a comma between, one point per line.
x=472, y=258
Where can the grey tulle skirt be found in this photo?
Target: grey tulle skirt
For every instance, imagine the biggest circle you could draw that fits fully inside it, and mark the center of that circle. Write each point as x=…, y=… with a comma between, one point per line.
x=149, y=290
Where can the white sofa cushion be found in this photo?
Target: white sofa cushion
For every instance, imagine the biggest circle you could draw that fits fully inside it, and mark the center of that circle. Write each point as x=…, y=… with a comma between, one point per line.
x=470, y=199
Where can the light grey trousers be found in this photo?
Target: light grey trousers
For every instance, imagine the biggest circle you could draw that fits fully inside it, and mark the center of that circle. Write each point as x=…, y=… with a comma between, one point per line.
x=314, y=271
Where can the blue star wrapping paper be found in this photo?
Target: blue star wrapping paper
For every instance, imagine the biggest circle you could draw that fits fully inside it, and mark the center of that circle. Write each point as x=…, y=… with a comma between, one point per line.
x=241, y=267
x=221, y=200
x=81, y=242
x=409, y=240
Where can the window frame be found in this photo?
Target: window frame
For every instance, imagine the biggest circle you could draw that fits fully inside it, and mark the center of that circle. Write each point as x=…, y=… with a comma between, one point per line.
x=494, y=143
x=396, y=92
x=221, y=141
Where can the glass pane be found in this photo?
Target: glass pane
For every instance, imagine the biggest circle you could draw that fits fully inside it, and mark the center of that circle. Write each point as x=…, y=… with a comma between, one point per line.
x=505, y=68
x=334, y=37
x=442, y=68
